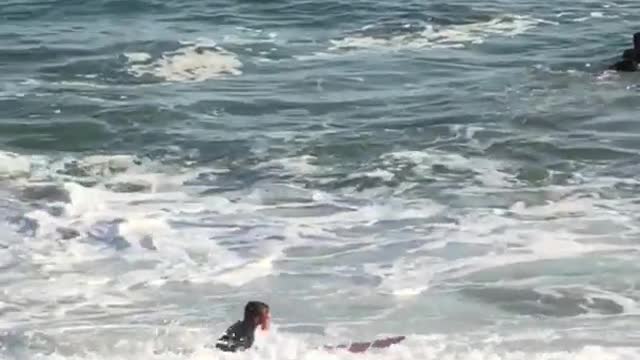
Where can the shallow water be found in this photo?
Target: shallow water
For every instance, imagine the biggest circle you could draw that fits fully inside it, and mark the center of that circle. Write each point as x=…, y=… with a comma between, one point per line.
x=462, y=173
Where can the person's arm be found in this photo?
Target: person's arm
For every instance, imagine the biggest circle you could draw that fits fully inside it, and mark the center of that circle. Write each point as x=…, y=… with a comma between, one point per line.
x=226, y=343
x=233, y=340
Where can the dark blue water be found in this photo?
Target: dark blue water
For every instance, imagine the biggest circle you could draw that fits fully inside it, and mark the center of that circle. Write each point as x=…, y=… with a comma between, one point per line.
x=464, y=173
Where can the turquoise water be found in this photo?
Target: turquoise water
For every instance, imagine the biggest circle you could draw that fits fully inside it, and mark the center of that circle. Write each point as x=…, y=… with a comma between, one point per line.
x=463, y=173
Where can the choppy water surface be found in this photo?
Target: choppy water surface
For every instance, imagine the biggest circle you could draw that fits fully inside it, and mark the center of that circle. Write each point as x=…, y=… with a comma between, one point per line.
x=460, y=172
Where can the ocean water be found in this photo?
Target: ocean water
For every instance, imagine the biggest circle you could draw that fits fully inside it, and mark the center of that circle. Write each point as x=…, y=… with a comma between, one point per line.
x=461, y=172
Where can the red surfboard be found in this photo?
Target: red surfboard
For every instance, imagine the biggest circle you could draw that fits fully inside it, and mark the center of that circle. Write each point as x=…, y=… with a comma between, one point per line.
x=360, y=347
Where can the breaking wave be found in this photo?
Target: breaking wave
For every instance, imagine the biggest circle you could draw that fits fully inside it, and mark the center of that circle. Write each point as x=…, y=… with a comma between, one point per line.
x=196, y=61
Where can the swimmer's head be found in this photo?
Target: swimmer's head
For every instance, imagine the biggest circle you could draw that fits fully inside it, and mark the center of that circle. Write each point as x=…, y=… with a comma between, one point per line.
x=257, y=313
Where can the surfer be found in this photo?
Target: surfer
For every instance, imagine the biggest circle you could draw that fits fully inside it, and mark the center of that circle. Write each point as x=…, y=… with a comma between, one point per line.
x=240, y=336
x=630, y=57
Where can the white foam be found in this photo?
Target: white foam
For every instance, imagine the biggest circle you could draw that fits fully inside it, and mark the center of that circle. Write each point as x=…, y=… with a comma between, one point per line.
x=13, y=165
x=137, y=216
x=85, y=201
x=239, y=237
x=595, y=15
x=566, y=207
x=249, y=37
x=395, y=210
x=183, y=344
x=189, y=63
x=489, y=172
x=85, y=84
x=381, y=174
x=524, y=234
x=407, y=277
x=298, y=165
x=318, y=55
x=453, y=36
x=246, y=273
x=105, y=165
x=138, y=56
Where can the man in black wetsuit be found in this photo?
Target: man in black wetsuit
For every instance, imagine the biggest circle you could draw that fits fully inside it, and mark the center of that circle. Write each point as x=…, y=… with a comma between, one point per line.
x=630, y=57
x=240, y=336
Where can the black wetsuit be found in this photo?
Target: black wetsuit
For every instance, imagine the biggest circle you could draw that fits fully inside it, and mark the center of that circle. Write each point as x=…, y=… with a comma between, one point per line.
x=626, y=65
x=629, y=62
x=238, y=337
